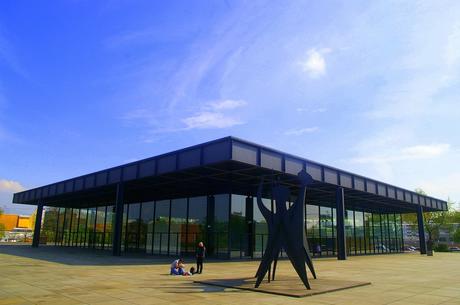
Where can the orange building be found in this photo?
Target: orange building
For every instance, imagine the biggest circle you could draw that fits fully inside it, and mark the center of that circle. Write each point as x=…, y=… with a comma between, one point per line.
x=11, y=221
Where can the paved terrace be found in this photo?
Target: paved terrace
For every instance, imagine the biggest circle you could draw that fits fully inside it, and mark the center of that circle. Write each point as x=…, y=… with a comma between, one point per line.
x=71, y=276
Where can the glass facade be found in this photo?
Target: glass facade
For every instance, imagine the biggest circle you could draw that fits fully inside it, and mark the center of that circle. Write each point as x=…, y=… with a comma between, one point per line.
x=230, y=225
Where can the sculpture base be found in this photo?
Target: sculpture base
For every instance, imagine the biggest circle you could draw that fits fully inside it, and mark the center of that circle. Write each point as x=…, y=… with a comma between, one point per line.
x=287, y=286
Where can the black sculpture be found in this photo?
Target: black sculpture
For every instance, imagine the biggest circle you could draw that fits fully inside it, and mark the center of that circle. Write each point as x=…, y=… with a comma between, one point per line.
x=286, y=231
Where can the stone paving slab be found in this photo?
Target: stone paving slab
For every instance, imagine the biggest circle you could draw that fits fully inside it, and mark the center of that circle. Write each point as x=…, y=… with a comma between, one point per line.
x=52, y=276
x=287, y=286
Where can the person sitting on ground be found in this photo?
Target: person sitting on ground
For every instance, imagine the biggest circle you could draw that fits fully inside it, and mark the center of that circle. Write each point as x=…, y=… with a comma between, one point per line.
x=177, y=267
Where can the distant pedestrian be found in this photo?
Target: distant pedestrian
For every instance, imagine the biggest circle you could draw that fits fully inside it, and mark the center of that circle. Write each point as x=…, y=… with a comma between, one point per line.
x=200, y=254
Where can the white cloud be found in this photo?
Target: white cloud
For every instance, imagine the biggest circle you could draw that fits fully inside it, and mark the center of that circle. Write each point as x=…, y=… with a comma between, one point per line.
x=215, y=115
x=301, y=131
x=206, y=120
x=10, y=186
x=406, y=153
x=443, y=187
x=227, y=104
x=425, y=151
x=315, y=65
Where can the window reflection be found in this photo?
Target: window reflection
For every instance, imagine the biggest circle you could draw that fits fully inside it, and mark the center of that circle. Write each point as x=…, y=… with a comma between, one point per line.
x=236, y=227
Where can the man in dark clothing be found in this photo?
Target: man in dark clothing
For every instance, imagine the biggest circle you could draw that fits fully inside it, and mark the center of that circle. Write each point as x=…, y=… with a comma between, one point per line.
x=200, y=254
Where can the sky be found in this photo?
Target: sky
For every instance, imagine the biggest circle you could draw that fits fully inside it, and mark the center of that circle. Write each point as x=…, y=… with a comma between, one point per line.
x=366, y=86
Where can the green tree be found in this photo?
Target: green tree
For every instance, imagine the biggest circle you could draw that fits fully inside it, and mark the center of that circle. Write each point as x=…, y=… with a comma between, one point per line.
x=434, y=221
x=456, y=235
x=2, y=227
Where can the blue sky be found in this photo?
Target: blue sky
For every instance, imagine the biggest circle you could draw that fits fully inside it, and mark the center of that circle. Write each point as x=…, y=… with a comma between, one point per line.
x=367, y=86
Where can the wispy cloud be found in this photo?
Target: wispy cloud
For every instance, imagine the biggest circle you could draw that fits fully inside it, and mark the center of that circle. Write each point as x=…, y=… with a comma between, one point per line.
x=227, y=104
x=10, y=186
x=300, y=131
x=215, y=115
x=206, y=120
x=315, y=64
x=8, y=56
x=443, y=187
x=407, y=153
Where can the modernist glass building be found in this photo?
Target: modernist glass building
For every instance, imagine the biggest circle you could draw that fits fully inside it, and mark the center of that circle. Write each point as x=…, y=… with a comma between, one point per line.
x=166, y=204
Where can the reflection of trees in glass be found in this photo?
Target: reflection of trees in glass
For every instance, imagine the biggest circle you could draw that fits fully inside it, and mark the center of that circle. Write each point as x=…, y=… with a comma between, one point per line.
x=2, y=226
x=327, y=229
x=238, y=226
x=368, y=231
x=178, y=225
x=161, y=226
x=50, y=223
x=146, y=226
x=221, y=222
x=197, y=220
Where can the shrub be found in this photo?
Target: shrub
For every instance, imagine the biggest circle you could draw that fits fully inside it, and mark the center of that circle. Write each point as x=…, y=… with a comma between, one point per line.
x=441, y=248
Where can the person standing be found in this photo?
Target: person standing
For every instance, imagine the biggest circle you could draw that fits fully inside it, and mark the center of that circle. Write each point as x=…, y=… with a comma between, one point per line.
x=200, y=254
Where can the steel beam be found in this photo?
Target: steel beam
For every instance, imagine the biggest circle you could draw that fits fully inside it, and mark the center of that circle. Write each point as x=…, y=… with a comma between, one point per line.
x=38, y=226
x=340, y=208
x=117, y=227
x=421, y=230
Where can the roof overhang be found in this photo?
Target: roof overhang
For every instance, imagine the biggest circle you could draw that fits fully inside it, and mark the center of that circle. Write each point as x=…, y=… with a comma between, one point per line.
x=221, y=166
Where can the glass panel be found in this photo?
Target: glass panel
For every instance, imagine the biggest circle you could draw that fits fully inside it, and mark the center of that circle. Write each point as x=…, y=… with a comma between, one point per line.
x=313, y=229
x=238, y=226
x=399, y=233
x=385, y=232
x=109, y=222
x=60, y=227
x=359, y=232
x=177, y=236
x=196, y=231
x=349, y=231
x=327, y=239
x=378, y=237
x=73, y=227
x=334, y=230
x=221, y=217
x=99, y=227
x=81, y=236
x=369, y=237
x=146, y=232
x=132, y=226
x=161, y=227
x=67, y=225
x=90, y=236
x=260, y=228
x=50, y=224
x=123, y=227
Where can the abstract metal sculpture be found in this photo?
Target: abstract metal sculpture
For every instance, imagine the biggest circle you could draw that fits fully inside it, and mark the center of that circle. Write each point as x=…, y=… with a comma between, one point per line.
x=286, y=231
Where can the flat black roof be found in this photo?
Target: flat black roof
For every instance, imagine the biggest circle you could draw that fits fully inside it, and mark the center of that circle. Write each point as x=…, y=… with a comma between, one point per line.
x=225, y=165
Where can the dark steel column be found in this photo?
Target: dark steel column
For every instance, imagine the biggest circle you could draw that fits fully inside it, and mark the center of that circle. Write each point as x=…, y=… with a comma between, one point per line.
x=250, y=225
x=421, y=230
x=340, y=209
x=117, y=227
x=38, y=226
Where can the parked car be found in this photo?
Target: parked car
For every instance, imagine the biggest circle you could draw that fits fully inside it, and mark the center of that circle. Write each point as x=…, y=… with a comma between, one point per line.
x=409, y=248
x=454, y=249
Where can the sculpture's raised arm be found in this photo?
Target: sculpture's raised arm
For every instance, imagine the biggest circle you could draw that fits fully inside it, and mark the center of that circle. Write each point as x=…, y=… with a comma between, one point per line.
x=263, y=209
x=305, y=179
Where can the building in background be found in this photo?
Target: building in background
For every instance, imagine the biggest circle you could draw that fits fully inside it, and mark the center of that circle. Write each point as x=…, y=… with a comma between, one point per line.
x=16, y=228
x=166, y=204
